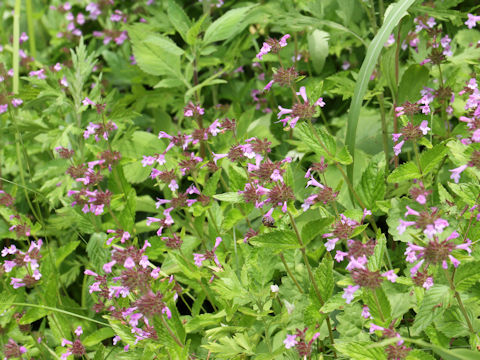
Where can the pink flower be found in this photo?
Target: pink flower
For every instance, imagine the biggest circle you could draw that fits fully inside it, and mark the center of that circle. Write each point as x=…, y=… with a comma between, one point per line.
x=390, y=275
x=472, y=21
x=424, y=127
x=398, y=148
x=456, y=173
x=78, y=331
x=349, y=292
x=366, y=312
x=290, y=341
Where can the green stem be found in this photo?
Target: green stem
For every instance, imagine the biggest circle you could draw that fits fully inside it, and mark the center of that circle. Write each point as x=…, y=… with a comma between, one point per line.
x=16, y=45
x=290, y=273
x=459, y=301
x=417, y=157
x=31, y=30
x=312, y=278
x=378, y=305
x=381, y=99
x=172, y=334
x=61, y=311
x=339, y=167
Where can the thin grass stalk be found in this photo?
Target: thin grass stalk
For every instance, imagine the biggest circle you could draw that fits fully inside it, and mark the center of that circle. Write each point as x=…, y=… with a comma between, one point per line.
x=16, y=45
x=31, y=30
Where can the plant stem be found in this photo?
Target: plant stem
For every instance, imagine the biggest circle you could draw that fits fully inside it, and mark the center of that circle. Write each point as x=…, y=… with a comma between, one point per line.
x=339, y=167
x=459, y=301
x=417, y=157
x=378, y=305
x=61, y=311
x=312, y=278
x=172, y=334
x=16, y=45
x=290, y=273
x=381, y=99
x=31, y=30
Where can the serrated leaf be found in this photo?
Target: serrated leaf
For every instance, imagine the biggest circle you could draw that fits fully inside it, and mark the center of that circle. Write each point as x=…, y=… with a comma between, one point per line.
x=325, y=145
x=404, y=172
x=232, y=197
x=431, y=158
x=372, y=186
x=278, y=240
x=468, y=192
x=385, y=310
x=62, y=252
x=434, y=302
x=98, y=336
x=467, y=275
x=343, y=156
x=375, y=261
x=210, y=187
x=157, y=56
x=324, y=277
x=360, y=351
x=313, y=228
x=452, y=323
x=178, y=18
x=96, y=251
x=227, y=25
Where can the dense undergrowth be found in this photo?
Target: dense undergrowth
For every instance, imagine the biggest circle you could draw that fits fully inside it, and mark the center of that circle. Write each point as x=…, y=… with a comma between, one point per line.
x=293, y=179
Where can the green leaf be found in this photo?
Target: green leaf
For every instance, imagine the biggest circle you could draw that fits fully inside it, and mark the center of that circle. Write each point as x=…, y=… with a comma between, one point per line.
x=431, y=158
x=385, y=309
x=210, y=187
x=155, y=54
x=394, y=14
x=97, y=336
x=33, y=314
x=413, y=80
x=375, y=261
x=178, y=18
x=96, y=251
x=232, y=197
x=328, y=145
x=372, y=186
x=452, y=323
x=324, y=277
x=232, y=217
x=278, y=240
x=467, y=275
x=194, y=31
x=419, y=355
x=318, y=48
x=228, y=25
x=64, y=251
x=343, y=156
x=468, y=192
x=360, y=351
x=313, y=228
x=434, y=302
x=404, y=172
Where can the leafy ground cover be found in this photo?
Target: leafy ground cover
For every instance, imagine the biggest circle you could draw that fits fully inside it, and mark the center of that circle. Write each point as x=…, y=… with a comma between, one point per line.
x=282, y=179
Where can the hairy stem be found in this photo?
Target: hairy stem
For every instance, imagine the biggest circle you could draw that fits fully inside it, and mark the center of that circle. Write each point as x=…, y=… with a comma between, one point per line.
x=290, y=273
x=312, y=278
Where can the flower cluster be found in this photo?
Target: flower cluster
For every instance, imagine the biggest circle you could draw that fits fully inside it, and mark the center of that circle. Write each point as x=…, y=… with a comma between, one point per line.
x=75, y=348
x=133, y=295
x=298, y=340
x=25, y=263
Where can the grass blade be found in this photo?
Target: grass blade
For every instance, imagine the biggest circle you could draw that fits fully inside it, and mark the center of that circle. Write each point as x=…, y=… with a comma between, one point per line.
x=393, y=15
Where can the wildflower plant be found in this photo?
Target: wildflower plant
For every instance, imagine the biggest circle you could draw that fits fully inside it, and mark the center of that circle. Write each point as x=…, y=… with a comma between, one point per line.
x=178, y=180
